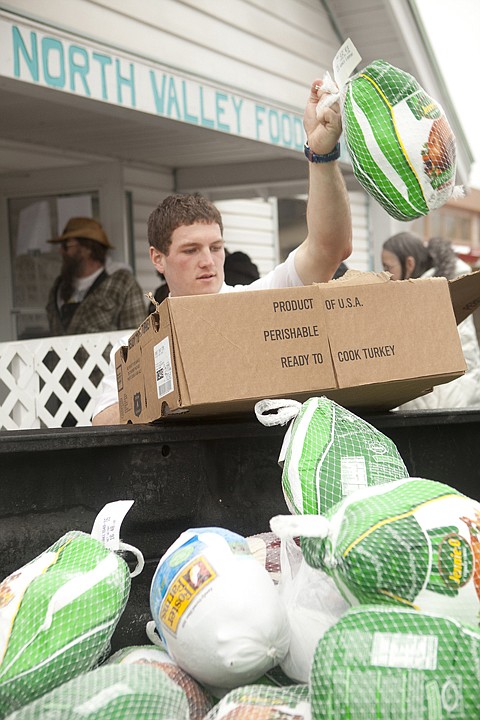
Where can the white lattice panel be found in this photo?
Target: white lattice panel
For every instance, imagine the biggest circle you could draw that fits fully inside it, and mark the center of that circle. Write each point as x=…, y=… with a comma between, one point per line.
x=17, y=387
x=52, y=382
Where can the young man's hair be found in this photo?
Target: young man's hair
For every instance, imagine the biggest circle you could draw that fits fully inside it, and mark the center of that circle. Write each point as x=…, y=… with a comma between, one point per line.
x=178, y=210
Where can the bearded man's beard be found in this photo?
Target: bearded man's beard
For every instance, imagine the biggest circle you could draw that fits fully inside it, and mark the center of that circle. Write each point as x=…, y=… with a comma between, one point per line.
x=67, y=278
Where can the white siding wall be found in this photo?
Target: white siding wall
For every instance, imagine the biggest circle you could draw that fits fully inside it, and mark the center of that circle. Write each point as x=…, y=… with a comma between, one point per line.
x=269, y=49
x=360, y=257
x=148, y=189
x=251, y=226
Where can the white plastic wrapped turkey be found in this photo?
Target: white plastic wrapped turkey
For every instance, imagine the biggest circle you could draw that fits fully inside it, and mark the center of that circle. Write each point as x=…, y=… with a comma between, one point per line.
x=217, y=610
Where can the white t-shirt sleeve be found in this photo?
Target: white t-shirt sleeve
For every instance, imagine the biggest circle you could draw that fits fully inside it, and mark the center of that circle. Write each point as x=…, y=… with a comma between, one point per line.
x=108, y=391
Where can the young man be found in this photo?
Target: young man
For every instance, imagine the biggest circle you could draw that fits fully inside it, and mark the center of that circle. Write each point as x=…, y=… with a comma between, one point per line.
x=85, y=298
x=185, y=233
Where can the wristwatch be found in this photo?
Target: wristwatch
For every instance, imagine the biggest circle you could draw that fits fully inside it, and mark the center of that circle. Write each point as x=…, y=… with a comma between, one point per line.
x=314, y=158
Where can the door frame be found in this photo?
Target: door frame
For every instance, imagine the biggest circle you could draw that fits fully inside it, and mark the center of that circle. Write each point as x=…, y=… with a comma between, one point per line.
x=105, y=178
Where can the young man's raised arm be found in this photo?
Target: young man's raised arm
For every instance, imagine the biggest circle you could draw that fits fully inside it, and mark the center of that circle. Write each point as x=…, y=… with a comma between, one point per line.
x=329, y=239
x=328, y=218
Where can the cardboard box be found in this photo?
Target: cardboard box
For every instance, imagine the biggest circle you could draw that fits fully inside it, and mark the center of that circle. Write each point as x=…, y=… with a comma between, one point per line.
x=363, y=340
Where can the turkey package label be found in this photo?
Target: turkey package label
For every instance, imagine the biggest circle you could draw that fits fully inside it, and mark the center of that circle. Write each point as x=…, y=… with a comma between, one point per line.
x=217, y=609
x=413, y=542
x=380, y=662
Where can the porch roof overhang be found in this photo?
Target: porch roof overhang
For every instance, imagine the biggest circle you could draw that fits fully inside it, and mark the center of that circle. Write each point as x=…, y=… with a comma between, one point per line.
x=222, y=164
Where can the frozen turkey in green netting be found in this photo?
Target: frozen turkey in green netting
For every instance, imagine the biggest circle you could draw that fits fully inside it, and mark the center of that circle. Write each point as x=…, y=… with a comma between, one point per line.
x=111, y=692
x=57, y=616
x=199, y=700
x=412, y=543
x=402, y=148
x=330, y=453
x=381, y=662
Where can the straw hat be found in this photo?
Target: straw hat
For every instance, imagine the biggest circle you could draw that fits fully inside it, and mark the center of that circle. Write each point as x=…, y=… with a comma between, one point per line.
x=83, y=228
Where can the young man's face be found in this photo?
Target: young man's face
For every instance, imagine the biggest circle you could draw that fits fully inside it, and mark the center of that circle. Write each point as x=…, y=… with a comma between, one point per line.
x=194, y=264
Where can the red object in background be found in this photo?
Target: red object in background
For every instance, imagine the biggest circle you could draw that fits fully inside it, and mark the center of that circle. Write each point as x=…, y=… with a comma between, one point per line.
x=468, y=255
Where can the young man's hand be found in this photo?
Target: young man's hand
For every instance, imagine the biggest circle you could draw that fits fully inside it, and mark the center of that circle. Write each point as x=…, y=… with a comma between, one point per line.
x=323, y=129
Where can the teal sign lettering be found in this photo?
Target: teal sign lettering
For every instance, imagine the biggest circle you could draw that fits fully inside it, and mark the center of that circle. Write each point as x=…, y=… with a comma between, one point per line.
x=79, y=64
x=68, y=65
x=127, y=81
x=103, y=62
x=53, y=62
x=20, y=51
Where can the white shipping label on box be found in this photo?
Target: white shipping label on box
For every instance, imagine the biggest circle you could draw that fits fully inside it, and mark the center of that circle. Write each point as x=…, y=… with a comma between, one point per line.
x=163, y=368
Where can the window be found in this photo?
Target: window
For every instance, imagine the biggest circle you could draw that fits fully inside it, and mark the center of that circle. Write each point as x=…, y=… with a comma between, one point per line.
x=449, y=223
x=36, y=263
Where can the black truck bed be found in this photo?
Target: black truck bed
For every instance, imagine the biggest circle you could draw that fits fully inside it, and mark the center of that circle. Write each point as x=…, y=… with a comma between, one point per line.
x=184, y=474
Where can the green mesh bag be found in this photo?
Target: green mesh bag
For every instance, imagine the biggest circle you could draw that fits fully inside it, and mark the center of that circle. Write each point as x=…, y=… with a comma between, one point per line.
x=260, y=702
x=412, y=543
x=329, y=452
x=199, y=700
x=116, y=692
x=57, y=616
x=394, y=663
x=402, y=148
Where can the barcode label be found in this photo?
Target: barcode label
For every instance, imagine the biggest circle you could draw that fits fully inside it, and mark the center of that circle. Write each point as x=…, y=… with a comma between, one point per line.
x=401, y=650
x=353, y=474
x=163, y=368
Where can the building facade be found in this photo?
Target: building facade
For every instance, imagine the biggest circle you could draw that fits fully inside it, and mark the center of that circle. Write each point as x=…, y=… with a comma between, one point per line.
x=109, y=105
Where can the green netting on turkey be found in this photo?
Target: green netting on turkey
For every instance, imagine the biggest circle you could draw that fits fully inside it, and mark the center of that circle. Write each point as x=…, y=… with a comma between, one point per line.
x=402, y=148
x=57, y=617
x=259, y=702
x=331, y=453
x=380, y=662
x=119, y=692
x=200, y=701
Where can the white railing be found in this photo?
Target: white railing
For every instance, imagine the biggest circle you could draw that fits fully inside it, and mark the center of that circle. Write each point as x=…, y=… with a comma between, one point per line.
x=52, y=382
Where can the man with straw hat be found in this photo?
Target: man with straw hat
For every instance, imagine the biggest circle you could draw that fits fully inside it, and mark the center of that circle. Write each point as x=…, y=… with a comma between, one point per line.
x=86, y=298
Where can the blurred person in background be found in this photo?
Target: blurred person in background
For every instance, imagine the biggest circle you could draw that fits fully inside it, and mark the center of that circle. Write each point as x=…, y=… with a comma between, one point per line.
x=239, y=268
x=406, y=256
x=86, y=297
x=340, y=271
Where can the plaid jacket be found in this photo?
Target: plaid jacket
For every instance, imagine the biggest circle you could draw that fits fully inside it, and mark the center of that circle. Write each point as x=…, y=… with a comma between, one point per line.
x=116, y=304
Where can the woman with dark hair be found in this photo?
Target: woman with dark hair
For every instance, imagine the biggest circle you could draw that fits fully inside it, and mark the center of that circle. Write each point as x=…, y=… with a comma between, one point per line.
x=406, y=256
